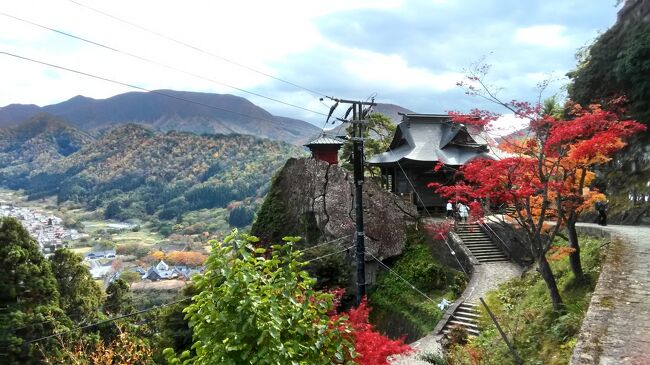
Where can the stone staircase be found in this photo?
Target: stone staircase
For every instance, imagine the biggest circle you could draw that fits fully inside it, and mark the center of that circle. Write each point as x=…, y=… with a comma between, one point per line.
x=466, y=315
x=510, y=210
x=479, y=243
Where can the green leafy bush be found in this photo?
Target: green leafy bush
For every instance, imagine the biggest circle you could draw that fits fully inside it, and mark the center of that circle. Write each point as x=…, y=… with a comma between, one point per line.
x=257, y=306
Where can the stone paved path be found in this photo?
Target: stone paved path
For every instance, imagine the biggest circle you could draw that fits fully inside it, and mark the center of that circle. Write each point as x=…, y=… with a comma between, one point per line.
x=616, y=328
x=486, y=276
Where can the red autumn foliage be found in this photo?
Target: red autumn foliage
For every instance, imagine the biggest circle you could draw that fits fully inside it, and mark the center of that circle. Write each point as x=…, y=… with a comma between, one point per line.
x=439, y=230
x=372, y=347
x=476, y=212
x=475, y=117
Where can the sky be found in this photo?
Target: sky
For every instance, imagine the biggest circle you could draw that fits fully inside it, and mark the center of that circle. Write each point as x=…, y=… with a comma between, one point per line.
x=409, y=53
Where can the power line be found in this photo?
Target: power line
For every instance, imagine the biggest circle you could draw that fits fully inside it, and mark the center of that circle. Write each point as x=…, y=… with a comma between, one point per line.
x=135, y=87
x=107, y=320
x=329, y=254
x=196, y=48
x=399, y=276
x=113, y=49
x=325, y=243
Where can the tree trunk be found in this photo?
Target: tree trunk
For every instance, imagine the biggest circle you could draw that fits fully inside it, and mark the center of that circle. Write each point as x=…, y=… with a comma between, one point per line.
x=545, y=269
x=574, y=257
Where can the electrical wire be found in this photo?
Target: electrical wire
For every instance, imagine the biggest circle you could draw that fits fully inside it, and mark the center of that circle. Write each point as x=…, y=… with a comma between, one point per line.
x=148, y=60
x=329, y=254
x=325, y=243
x=195, y=48
x=107, y=320
x=158, y=92
x=399, y=276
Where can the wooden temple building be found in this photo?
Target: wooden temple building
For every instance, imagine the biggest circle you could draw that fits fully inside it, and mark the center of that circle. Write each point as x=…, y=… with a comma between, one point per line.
x=325, y=148
x=419, y=143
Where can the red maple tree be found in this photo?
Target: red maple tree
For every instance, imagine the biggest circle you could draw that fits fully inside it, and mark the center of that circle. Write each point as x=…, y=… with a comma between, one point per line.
x=372, y=347
x=545, y=173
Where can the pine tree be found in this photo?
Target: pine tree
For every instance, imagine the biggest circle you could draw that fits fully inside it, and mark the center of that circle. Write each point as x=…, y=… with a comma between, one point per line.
x=80, y=297
x=29, y=299
x=118, y=298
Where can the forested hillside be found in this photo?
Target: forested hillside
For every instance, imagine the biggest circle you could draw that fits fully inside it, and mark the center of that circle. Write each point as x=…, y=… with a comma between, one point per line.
x=36, y=144
x=134, y=172
x=618, y=64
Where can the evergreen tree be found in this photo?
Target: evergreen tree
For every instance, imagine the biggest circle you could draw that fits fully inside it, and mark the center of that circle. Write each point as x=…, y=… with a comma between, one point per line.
x=29, y=299
x=113, y=210
x=118, y=298
x=241, y=217
x=80, y=297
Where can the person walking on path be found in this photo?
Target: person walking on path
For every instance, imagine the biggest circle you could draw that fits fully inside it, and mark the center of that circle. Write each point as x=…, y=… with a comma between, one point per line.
x=601, y=207
x=463, y=211
x=450, y=209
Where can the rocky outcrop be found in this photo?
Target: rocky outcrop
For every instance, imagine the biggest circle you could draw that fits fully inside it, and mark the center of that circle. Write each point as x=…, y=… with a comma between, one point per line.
x=315, y=200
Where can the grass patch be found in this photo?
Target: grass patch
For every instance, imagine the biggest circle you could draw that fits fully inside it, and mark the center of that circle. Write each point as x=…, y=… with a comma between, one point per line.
x=398, y=309
x=524, y=311
x=81, y=250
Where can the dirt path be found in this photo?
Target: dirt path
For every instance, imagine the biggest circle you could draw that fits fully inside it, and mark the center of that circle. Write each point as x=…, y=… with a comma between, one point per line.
x=616, y=328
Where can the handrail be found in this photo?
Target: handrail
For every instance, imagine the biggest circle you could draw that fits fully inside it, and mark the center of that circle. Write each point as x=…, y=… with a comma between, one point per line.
x=487, y=227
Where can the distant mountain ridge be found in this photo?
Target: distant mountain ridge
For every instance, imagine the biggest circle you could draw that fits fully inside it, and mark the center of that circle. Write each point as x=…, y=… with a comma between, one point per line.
x=223, y=114
x=38, y=142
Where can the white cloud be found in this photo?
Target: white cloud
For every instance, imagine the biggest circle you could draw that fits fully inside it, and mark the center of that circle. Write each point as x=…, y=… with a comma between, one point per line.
x=394, y=71
x=550, y=36
x=506, y=124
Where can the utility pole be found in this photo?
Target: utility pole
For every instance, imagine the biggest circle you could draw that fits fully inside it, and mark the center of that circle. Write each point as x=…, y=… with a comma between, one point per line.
x=358, y=124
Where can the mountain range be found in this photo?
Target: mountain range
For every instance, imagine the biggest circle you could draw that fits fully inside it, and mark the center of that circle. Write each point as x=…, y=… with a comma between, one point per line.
x=137, y=171
x=169, y=110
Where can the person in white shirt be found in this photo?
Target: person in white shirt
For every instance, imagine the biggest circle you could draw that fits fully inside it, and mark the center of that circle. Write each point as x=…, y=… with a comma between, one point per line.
x=450, y=209
x=463, y=211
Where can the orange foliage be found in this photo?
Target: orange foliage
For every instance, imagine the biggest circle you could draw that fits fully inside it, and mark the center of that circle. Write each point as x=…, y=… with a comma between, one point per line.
x=556, y=253
x=186, y=258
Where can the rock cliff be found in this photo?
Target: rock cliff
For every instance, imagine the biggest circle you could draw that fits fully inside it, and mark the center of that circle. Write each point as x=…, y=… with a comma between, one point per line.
x=315, y=200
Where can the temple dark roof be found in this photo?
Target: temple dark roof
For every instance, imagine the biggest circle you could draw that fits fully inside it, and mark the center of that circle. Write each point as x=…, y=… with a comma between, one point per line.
x=327, y=140
x=435, y=138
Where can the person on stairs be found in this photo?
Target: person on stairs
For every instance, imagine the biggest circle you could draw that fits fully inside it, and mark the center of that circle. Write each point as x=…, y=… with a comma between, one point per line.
x=450, y=209
x=463, y=211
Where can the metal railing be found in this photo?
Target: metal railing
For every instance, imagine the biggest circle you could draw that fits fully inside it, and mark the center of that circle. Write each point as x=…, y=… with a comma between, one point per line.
x=505, y=246
x=494, y=234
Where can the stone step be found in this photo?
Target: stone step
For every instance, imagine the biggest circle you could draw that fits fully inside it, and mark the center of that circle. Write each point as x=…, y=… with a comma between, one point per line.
x=483, y=248
x=466, y=313
x=467, y=325
x=477, y=242
x=470, y=332
x=469, y=304
x=464, y=238
x=486, y=261
x=460, y=317
x=470, y=231
x=482, y=245
x=488, y=255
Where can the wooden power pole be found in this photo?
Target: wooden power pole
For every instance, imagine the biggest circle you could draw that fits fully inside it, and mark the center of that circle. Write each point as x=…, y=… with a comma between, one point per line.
x=358, y=124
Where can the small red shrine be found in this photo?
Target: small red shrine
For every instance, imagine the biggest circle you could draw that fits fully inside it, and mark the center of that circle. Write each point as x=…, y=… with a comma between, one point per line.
x=326, y=149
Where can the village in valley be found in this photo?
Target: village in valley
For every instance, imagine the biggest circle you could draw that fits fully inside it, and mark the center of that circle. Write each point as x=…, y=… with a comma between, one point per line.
x=104, y=264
